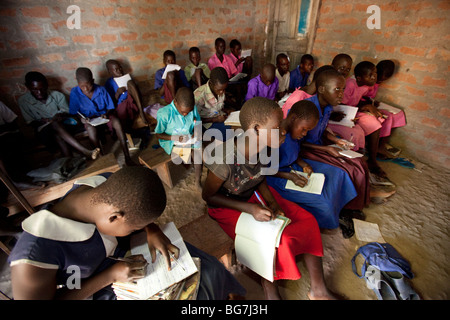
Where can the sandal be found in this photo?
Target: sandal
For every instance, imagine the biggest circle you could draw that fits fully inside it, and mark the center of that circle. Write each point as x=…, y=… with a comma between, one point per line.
x=392, y=151
x=376, y=281
x=402, y=288
x=347, y=227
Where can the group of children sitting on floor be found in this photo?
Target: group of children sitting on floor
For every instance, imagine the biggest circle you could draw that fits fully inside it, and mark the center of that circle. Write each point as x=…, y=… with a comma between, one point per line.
x=106, y=207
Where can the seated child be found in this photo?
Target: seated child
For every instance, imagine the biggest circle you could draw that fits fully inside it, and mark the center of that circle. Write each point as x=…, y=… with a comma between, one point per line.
x=304, y=92
x=342, y=62
x=242, y=64
x=338, y=188
x=89, y=226
x=220, y=59
x=330, y=91
x=126, y=99
x=47, y=112
x=197, y=73
x=174, y=80
x=263, y=85
x=283, y=75
x=370, y=119
x=230, y=190
x=176, y=122
x=210, y=101
x=299, y=76
x=385, y=70
x=90, y=100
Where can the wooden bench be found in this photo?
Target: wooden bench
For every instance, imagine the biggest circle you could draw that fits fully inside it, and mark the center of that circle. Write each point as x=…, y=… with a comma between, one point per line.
x=157, y=160
x=36, y=197
x=206, y=234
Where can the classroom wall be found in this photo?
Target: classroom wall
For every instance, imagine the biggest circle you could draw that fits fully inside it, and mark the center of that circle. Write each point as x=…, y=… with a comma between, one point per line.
x=416, y=35
x=34, y=36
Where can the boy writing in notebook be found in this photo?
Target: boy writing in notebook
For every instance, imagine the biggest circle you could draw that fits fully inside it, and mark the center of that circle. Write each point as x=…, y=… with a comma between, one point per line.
x=197, y=73
x=89, y=100
x=174, y=80
x=230, y=188
x=88, y=227
x=175, y=124
x=263, y=85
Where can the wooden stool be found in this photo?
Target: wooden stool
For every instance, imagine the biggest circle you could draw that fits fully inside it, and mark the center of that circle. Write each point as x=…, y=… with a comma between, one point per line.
x=157, y=160
x=206, y=234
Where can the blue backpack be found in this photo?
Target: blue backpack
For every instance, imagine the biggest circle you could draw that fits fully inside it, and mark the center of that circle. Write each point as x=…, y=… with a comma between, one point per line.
x=384, y=257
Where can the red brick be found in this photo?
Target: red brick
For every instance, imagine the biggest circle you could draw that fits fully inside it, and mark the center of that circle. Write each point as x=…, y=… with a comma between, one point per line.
x=355, y=32
x=349, y=21
x=16, y=62
x=414, y=91
x=418, y=6
x=184, y=32
x=117, y=23
x=420, y=66
x=103, y=11
x=343, y=8
x=22, y=44
x=429, y=81
x=360, y=46
x=77, y=54
x=69, y=66
x=141, y=47
x=125, y=10
x=149, y=35
x=425, y=22
x=130, y=36
x=122, y=49
x=406, y=77
x=36, y=12
x=436, y=136
x=419, y=52
x=392, y=6
x=161, y=45
x=30, y=27
x=83, y=39
x=420, y=106
x=445, y=112
x=90, y=24
x=444, y=5
x=99, y=52
x=384, y=48
x=7, y=12
x=434, y=123
x=56, y=41
x=108, y=38
x=437, y=95
x=51, y=57
x=153, y=56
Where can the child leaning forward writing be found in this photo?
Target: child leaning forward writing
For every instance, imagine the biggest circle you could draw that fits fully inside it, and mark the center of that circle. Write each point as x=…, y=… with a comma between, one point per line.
x=230, y=189
x=175, y=124
x=89, y=225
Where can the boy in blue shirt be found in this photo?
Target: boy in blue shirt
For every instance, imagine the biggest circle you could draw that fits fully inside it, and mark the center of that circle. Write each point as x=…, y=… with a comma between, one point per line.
x=175, y=124
x=89, y=100
x=299, y=76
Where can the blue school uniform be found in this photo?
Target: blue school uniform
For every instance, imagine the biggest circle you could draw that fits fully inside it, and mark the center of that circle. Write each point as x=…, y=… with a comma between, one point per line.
x=159, y=81
x=314, y=136
x=100, y=103
x=111, y=86
x=53, y=242
x=297, y=80
x=337, y=191
x=170, y=121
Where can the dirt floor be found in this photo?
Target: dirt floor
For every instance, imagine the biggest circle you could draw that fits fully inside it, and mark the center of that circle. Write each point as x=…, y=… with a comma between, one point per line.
x=414, y=221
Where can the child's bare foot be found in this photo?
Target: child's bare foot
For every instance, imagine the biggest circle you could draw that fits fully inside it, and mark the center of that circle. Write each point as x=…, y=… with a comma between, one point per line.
x=270, y=290
x=323, y=295
x=95, y=153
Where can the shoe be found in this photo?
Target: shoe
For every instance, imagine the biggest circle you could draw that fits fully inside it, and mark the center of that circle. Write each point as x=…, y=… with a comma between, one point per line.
x=392, y=151
x=379, y=181
x=402, y=288
x=347, y=227
x=376, y=281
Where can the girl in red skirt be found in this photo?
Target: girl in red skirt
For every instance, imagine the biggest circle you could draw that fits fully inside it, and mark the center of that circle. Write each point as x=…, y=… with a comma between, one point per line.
x=230, y=189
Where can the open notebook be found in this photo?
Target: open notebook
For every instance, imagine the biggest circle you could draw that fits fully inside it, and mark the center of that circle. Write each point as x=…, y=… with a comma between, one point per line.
x=350, y=114
x=347, y=153
x=314, y=185
x=157, y=276
x=123, y=80
x=256, y=243
x=233, y=119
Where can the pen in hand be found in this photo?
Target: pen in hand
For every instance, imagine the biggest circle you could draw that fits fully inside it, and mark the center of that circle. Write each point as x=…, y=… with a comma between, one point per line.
x=172, y=255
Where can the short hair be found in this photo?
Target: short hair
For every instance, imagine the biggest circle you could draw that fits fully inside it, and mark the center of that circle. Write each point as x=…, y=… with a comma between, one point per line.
x=219, y=75
x=219, y=40
x=306, y=57
x=110, y=62
x=386, y=68
x=282, y=55
x=169, y=53
x=257, y=109
x=137, y=192
x=34, y=76
x=363, y=68
x=320, y=70
x=185, y=96
x=194, y=49
x=305, y=109
x=84, y=74
x=234, y=43
x=325, y=76
x=341, y=56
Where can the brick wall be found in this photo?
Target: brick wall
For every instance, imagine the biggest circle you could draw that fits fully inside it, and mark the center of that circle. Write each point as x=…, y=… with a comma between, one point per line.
x=34, y=36
x=416, y=35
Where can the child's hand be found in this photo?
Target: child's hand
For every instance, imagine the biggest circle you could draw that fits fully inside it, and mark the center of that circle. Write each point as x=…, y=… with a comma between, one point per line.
x=299, y=180
x=261, y=213
x=276, y=210
x=128, y=271
x=220, y=118
x=346, y=145
x=308, y=170
x=372, y=109
x=333, y=151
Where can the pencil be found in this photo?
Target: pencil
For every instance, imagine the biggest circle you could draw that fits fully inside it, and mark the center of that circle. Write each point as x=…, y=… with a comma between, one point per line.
x=176, y=260
x=260, y=200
